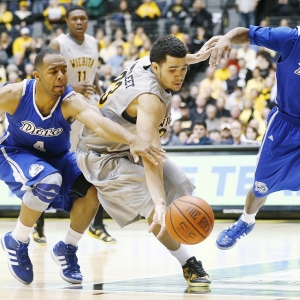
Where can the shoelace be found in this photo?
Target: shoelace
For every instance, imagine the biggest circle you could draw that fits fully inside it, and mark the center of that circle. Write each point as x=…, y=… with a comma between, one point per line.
x=198, y=269
x=22, y=255
x=236, y=229
x=71, y=258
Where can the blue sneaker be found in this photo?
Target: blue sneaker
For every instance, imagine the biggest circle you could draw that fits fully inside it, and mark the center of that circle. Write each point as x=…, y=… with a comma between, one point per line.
x=19, y=262
x=229, y=237
x=65, y=257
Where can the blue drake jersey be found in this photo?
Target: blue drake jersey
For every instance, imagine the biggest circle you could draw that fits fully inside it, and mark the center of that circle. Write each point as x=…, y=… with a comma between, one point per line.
x=47, y=136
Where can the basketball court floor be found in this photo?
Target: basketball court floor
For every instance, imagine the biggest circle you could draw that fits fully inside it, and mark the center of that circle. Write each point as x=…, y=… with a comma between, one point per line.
x=264, y=265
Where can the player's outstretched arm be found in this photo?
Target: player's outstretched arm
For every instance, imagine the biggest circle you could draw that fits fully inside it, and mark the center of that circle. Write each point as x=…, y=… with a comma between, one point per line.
x=235, y=36
x=76, y=107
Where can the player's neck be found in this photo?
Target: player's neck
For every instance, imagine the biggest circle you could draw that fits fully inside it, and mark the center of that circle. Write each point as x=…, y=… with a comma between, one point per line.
x=78, y=40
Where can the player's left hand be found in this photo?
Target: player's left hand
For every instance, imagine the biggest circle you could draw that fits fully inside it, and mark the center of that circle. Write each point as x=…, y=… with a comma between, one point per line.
x=139, y=147
x=159, y=218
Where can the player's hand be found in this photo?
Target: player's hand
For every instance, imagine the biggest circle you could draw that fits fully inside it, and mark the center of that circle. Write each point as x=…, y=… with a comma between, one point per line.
x=139, y=147
x=159, y=219
x=85, y=89
x=223, y=45
x=207, y=48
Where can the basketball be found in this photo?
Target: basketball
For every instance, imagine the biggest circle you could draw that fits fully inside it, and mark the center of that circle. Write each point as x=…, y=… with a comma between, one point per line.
x=189, y=220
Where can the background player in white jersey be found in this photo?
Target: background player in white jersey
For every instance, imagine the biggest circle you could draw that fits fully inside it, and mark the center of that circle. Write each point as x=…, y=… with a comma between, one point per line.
x=36, y=164
x=81, y=53
x=140, y=100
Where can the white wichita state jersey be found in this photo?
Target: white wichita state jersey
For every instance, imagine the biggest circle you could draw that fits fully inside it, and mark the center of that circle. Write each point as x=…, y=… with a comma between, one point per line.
x=82, y=60
x=135, y=80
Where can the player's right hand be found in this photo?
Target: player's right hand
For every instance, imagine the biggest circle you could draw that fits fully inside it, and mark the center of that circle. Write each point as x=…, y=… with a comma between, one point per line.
x=85, y=89
x=159, y=219
x=223, y=45
x=139, y=147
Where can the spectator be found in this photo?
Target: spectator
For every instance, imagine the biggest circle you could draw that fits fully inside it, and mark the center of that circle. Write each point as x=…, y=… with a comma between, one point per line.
x=222, y=72
x=232, y=58
x=244, y=73
x=116, y=61
x=222, y=111
x=174, y=30
x=170, y=139
x=212, y=121
x=236, y=133
x=109, y=50
x=198, y=112
x=264, y=63
x=140, y=36
x=23, y=42
x=99, y=36
x=211, y=82
x=235, y=112
x=225, y=133
x=202, y=17
x=246, y=10
x=132, y=56
x=119, y=39
x=249, y=112
x=6, y=18
x=29, y=68
x=187, y=97
x=215, y=135
x=5, y=47
x=248, y=54
x=175, y=108
x=257, y=82
x=3, y=77
x=199, y=135
x=148, y=10
x=119, y=18
x=145, y=49
x=185, y=120
x=285, y=8
x=22, y=17
x=232, y=82
x=176, y=127
x=54, y=15
x=183, y=135
x=252, y=136
x=177, y=13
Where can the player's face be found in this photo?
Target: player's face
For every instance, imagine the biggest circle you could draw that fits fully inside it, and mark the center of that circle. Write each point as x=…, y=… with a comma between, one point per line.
x=77, y=22
x=53, y=74
x=171, y=73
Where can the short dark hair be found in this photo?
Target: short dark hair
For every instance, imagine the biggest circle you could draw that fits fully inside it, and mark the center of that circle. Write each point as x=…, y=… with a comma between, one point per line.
x=200, y=123
x=167, y=45
x=40, y=56
x=74, y=7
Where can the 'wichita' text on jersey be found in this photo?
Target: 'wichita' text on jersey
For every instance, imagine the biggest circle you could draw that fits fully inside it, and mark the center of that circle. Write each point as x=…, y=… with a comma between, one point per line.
x=82, y=62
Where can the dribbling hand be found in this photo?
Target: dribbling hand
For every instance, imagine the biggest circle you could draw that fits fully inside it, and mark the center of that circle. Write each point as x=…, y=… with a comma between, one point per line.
x=159, y=219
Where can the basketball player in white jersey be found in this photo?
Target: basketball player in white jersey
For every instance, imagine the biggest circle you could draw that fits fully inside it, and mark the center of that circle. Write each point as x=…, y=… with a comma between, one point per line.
x=139, y=99
x=81, y=53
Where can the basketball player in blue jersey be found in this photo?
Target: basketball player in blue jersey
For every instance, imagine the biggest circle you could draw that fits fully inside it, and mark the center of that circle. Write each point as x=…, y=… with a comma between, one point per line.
x=139, y=99
x=81, y=52
x=37, y=166
x=278, y=159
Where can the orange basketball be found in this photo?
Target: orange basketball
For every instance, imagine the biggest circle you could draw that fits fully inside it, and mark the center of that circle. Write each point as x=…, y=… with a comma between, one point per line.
x=189, y=220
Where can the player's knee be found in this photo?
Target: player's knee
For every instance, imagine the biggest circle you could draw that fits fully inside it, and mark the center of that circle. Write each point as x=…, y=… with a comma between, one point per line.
x=43, y=192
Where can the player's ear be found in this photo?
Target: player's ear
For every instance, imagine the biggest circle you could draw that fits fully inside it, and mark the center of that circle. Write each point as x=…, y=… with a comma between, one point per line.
x=36, y=75
x=154, y=67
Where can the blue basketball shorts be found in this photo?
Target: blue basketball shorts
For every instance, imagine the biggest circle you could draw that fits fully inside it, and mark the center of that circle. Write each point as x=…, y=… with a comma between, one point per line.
x=278, y=161
x=20, y=169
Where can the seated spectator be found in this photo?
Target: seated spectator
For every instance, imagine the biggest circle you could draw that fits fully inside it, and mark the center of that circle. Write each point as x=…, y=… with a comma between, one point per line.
x=148, y=11
x=183, y=135
x=257, y=82
x=6, y=18
x=132, y=56
x=285, y=8
x=202, y=17
x=244, y=73
x=22, y=17
x=212, y=121
x=236, y=133
x=235, y=112
x=225, y=133
x=22, y=43
x=176, y=127
x=96, y=8
x=214, y=84
x=3, y=77
x=235, y=98
x=139, y=37
x=175, y=31
x=199, y=136
x=54, y=14
x=119, y=39
x=116, y=61
x=215, y=135
x=108, y=51
x=28, y=71
x=233, y=81
x=251, y=136
x=185, y=120
x=5, y=47
x=99, y=36
x=119, y=18
x=232, y=59
x=145, y=49
x=248, y=54
x=264, y=63
x=175, y=108
x=170, y=139
x=222, y=71
x=222, y=111
x=249, y=112
x=177, y=13
x=187, y=97
x=198, y=113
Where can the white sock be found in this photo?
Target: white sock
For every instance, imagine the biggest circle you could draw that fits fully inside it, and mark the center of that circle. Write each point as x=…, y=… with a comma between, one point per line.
x=21, y=232
x=182, y=254
x=73, y=237
x=248, y=218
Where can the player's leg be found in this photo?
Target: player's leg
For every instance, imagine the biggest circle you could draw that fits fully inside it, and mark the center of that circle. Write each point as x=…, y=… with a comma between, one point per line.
x=79, y=198
x=37, y=184
x=97, y=228
x=38, y=234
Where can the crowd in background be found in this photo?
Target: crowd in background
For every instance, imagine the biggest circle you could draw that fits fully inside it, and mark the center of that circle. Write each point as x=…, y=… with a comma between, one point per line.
x=227, y=105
